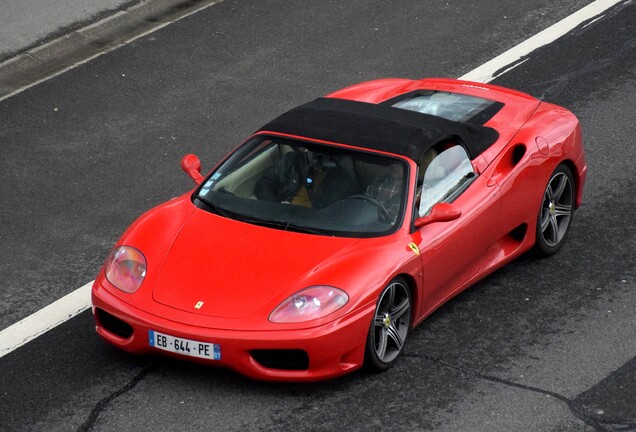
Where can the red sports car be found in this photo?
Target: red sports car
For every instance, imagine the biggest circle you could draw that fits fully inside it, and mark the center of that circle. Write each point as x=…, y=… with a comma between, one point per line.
x=317, y=245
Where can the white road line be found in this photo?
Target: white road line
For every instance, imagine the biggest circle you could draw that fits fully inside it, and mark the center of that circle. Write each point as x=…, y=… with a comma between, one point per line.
x=488, y=71
x=45, y=319
x=107, y=50
x=79, y=300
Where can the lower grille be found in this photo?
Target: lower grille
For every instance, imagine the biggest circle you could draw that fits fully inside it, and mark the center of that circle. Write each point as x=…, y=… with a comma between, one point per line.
x=113, y=324
x=282, y=359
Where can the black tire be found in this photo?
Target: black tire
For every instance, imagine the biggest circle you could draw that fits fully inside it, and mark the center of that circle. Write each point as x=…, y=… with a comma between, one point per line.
x=390, y=326
x=556, y=212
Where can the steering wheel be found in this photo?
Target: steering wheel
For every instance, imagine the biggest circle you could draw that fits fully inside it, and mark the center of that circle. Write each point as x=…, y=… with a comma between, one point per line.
x=383, y=213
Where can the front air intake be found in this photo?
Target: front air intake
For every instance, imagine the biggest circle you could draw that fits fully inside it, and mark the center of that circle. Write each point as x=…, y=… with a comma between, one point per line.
x=293, y=359
x=113, y=324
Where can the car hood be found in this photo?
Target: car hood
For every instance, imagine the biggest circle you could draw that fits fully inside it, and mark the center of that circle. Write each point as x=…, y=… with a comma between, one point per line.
x=229, y=269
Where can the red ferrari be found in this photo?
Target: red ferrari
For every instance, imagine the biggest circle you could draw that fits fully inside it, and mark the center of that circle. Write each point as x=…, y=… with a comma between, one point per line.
x=316, y=246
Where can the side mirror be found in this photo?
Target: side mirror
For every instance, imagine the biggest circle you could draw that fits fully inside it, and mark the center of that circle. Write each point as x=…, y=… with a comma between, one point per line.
x=441, y=212
x=192, y=166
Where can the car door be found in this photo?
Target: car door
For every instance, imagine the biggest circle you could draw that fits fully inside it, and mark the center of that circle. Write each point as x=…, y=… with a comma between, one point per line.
x=452, y=252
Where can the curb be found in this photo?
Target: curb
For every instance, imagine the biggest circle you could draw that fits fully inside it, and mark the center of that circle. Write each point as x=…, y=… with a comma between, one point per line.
x=39, y=63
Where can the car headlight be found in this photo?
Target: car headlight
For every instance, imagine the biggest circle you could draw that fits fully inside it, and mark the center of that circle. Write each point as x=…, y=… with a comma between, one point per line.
x=309, y=304
x=125, y=268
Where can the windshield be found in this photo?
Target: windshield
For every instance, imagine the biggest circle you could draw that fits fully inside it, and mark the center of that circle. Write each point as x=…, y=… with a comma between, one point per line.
x=304, y=187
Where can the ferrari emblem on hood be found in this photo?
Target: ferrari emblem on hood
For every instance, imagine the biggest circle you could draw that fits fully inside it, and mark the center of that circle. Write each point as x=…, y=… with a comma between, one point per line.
x=198, y=305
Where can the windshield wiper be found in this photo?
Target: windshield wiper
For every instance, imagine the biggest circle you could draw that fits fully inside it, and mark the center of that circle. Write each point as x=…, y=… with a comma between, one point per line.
x=285, y=226
x=213, y=207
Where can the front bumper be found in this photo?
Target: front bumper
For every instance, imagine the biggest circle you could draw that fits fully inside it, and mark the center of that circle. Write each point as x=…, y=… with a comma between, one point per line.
x=333, y=349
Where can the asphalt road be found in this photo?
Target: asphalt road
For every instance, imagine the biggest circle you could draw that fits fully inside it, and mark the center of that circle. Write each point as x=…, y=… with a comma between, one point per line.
x=542, y=345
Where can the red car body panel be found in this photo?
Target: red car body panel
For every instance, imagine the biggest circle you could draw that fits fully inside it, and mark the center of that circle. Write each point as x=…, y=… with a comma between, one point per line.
x=241, y=272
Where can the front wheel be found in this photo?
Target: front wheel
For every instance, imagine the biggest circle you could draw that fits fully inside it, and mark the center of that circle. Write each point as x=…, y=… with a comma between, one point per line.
x=390, y=326
x=555, y=215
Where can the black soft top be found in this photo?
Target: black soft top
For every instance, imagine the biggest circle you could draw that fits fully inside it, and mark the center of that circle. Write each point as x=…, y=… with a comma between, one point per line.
x=379, y=127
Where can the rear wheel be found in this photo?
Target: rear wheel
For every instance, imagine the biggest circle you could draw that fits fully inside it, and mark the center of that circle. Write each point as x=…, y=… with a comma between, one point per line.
x=555, y=215
x=390, y=326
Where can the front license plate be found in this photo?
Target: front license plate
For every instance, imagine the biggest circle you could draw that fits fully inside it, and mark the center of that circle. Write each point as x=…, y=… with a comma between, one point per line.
x=182, y=346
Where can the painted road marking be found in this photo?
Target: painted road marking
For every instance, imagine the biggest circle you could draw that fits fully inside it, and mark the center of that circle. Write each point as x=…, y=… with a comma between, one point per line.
x=79, y=300
x=515, y=56
x=110, y=47
x=45, y=319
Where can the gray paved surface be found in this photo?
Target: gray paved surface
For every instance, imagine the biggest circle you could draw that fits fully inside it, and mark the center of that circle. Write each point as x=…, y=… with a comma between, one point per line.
x=25, y=23
x=40, y=38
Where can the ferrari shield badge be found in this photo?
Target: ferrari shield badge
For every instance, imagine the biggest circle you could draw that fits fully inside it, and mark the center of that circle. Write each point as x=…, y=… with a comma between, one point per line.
x=414, y=248
x=198, y=305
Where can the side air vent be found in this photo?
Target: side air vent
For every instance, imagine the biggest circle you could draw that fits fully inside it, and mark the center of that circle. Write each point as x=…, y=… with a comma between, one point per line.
x=517, y=153
x=507, y=162
x=519, y=233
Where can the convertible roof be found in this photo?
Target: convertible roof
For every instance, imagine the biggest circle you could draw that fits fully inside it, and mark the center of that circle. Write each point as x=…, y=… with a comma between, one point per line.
x=379, y=127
